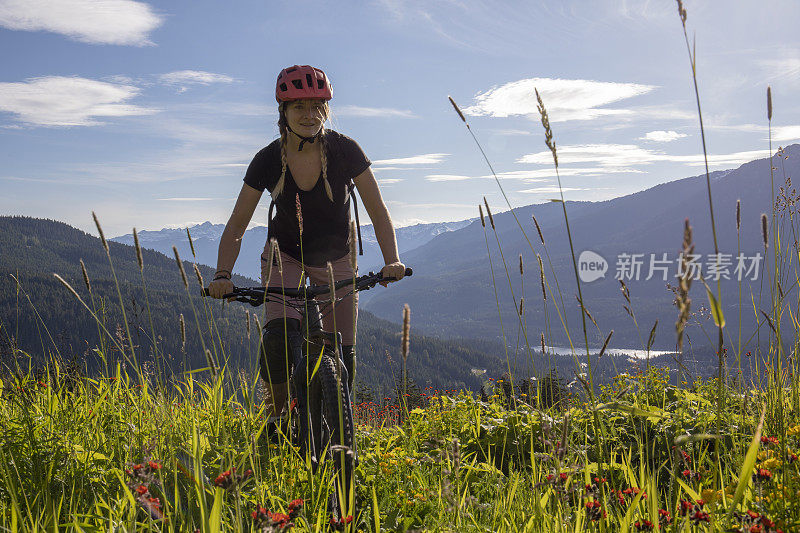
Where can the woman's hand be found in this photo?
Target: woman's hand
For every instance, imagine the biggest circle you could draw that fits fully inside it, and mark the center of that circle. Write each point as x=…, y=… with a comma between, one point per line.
x=393, y=272
x=220, y=287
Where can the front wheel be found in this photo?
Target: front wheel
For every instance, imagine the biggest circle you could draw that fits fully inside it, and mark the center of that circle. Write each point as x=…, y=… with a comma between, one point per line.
x=338, y=424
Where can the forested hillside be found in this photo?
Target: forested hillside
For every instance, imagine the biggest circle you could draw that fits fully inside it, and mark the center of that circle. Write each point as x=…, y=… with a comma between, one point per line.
x=40, y=316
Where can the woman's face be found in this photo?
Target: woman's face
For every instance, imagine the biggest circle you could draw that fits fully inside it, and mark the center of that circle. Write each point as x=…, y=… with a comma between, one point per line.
x=306, y=117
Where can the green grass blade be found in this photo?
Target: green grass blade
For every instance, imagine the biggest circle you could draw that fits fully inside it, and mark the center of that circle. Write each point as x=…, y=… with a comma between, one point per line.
x=749, y=464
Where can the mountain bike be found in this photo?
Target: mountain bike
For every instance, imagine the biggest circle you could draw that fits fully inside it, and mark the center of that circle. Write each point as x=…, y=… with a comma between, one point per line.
x=322, y=413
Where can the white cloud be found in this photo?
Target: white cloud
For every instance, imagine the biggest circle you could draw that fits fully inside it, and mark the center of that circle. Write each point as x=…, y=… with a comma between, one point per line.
x=662, y=136
x=536, y=175
x=424, y=159
x=390, y=181
x=782, y=68
x=123, y=22
x=372, y=112
x=193, y=77
x=68, y=101
x=447, y=177
x=620, y=156
x=786, y=133
x=779, y=133
x=564, y=99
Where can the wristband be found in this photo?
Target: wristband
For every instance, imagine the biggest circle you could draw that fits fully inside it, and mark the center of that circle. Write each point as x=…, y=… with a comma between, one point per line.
x=222, y=270
x=222, y=277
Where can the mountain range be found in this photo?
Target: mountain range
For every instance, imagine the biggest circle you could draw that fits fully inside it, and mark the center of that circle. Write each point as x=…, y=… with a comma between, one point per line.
x=453, y=288
x=205, y=238
x=469, y=276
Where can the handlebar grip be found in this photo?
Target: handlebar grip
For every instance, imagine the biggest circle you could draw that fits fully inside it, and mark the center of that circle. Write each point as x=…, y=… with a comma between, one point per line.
x=409, y=271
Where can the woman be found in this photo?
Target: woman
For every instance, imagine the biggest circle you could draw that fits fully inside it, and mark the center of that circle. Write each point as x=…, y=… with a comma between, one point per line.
x=317, y=167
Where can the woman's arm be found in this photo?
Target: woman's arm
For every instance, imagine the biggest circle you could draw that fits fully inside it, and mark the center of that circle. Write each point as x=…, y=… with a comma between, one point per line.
x=381, y=222
x=231, y=240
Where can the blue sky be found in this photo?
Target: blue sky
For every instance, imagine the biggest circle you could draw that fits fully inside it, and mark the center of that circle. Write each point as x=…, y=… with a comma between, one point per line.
x=149, y=112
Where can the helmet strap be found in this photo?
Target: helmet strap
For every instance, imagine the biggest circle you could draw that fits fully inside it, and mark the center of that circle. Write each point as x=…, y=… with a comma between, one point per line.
x=303, y=140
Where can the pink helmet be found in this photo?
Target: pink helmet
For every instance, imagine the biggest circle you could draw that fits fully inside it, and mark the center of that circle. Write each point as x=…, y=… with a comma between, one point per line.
x=302, y=81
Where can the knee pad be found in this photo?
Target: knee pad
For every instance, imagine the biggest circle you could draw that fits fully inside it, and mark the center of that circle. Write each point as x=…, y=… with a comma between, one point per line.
x=278, y=343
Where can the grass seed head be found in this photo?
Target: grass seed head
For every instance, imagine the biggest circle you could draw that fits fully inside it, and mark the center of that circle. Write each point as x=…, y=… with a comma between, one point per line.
x=406, y=330
x=605, y=344
x=180, y=266
x=210, y=362
x=682, y=299
x=191, y=243
x=738, y=214
x=541, y=276
x=521, y=306
x=199, y=276
x=299, y=213
x=100, y=231
x=480, y=210
x=139, y=258
x=270, y=260
x=548, y=132
x=543, y=345
x=455, y=106
x=331, y=282
x=277, y=255
x=769, y=102
x=682, y=12
x=183, y=330
x=538, y=228
x=353, y=247
x=764, y=230
x=521, y=266
x=85, y=277
x=489, y=212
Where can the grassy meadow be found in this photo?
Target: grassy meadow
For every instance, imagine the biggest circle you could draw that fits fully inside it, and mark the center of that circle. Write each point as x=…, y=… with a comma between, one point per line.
x=123, y=450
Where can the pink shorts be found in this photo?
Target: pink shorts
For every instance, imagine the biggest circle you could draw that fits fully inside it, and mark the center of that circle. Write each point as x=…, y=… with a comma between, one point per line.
x=343, y=309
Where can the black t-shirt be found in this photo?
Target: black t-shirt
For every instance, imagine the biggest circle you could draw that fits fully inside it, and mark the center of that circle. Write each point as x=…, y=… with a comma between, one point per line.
x=326, y=224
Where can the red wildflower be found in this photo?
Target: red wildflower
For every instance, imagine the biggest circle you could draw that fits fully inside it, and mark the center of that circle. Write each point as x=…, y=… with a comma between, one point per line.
x=762, y=475
x=141, y=489
x=645, y=525
x=769, y=440
x=594, y=510
x=339, y=524
x=295, y=506
x=154, y=465
x=224, y=479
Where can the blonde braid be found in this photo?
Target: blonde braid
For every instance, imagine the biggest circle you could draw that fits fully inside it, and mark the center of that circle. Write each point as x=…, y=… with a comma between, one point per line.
x=324, y=159
x=279, y=186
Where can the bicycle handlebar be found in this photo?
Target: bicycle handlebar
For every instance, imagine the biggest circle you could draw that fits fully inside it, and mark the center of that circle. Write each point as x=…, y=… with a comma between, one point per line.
x=255, y=296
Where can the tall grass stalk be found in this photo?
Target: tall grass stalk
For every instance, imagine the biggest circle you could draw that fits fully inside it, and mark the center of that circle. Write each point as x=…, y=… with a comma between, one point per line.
x=716, y=303
x=517, y=305
x=106, y=247
x=157, y=355
x=511, y=209
x=211, y=363
x=491, y=270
